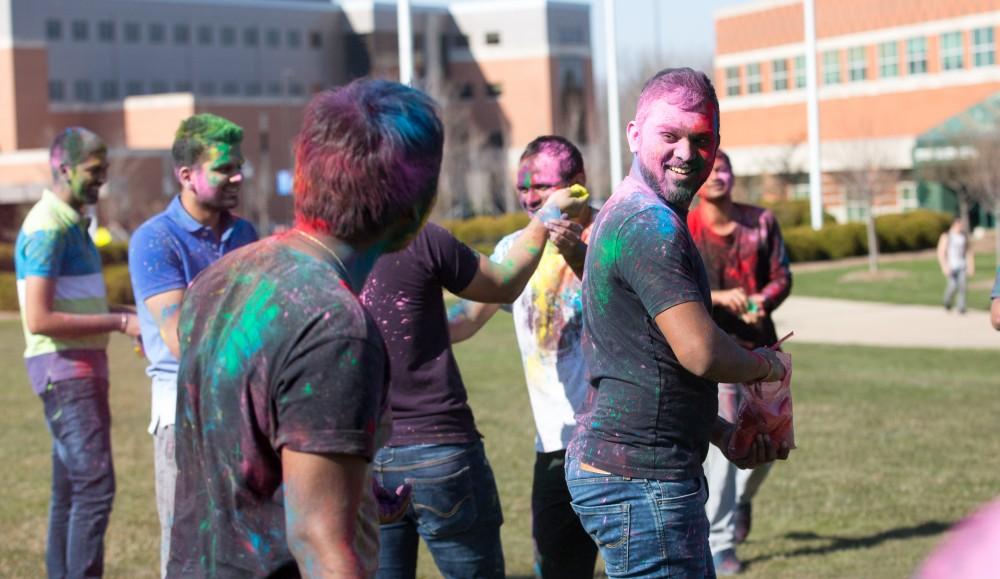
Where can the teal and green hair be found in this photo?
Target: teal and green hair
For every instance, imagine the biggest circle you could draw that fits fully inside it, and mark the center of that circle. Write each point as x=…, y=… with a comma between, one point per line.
x=198, y=133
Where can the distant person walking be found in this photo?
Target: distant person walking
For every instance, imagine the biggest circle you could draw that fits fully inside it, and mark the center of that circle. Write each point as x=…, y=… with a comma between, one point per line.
x=995, y=303
x=957, y=263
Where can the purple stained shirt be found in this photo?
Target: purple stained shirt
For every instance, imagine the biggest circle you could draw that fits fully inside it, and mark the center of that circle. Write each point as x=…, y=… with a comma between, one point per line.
x=277, y=352
x=752, y=257
x=645, y=416
x=404, y=294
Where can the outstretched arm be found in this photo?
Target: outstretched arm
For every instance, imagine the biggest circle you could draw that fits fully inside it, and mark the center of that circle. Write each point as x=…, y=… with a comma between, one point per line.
x=502, y=282
x=466, y=318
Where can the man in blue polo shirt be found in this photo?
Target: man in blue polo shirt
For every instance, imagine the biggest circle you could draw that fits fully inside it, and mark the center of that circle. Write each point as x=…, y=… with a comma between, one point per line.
x=166, y=253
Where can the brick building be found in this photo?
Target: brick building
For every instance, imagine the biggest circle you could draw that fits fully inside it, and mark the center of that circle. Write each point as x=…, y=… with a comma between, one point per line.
x=503, y=70
x=888, y=72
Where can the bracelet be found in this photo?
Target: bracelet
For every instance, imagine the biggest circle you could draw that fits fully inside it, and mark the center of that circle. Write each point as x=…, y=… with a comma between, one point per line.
x=124, y=324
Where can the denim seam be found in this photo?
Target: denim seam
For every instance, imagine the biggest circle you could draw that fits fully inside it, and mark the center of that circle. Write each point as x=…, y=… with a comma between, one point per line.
x=424, y=464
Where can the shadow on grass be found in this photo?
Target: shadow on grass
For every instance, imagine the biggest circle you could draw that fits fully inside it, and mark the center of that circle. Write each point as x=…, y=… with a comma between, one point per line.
x=846, y=543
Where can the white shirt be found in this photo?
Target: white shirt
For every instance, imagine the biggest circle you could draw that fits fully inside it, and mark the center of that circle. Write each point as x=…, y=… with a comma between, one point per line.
x=548, y=322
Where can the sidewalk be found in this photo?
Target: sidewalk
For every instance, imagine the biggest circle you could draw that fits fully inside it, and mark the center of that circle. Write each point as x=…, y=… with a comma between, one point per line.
x=829, y=321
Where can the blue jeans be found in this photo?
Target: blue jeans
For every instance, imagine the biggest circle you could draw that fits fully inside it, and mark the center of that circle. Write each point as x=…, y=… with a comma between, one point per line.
x=83, y=477
x=455, y=508
x=644, y=527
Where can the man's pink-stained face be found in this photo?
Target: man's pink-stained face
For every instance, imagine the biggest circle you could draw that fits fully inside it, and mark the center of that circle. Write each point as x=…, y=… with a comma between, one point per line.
x=720, y=180
x=676, y=148
x=537, y=178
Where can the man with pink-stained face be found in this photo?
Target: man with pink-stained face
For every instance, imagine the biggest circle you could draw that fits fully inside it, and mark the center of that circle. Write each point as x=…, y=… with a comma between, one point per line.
x=165, y=254
x=748, y=271
x=655, y=357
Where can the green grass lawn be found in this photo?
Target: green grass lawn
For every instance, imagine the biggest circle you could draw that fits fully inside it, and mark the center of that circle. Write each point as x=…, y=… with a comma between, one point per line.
x=894, y=446
x=918, y=282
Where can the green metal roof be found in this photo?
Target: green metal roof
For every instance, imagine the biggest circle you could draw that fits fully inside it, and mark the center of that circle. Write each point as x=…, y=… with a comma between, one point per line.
x=982, y=117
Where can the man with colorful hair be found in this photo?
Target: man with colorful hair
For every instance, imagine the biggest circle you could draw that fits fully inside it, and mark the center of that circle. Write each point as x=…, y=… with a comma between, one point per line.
x=66, y=320
x=749, y=275
x=165, y=254
x=634, y=465
x=548, y=323
x=283, y=374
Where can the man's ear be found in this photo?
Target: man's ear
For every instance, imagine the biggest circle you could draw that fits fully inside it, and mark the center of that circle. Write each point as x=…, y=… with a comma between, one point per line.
x=632, y=133
x=183, y=175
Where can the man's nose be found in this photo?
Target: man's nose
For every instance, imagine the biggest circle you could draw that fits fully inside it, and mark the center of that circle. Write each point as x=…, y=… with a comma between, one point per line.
x=683, y=150
x=237, y=178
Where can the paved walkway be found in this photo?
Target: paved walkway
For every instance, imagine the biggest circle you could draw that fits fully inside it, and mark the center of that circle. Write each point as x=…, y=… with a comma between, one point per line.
x=829, y=321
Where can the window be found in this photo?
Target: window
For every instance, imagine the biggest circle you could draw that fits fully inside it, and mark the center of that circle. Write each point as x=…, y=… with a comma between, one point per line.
x=800, y=72
x=109, y=90
x=206, y=35
x=733, y=81
x=492, y=38
x=81, y=91
x=779, y=74
x=800, y=191
x=159, y=87
x=182, y=34
x=293, y=38
x=316, y=40
x=227, y=36
x=133, y=87
x=56, y=91
x=207, y=88
x=916, y=55
x=252, y=89
x=831, y=67
x=251, y=37
x=106, y=31
x=857, y=63
x=53, y=30
x=274, y=88
x=983, y=48
x=132, y=33
x=951, y=51
x=157, y=33
x=467, y=92
x=906, y=196
x=81, y=30
x=494, y=89
x=273, y=37
x=857, y=210
x=574, y=35
x=182, y=86
x=495, y=139
x=888, y=60
x=460, y=41
x=753, y=78
x=230, y=88
x=295, y=88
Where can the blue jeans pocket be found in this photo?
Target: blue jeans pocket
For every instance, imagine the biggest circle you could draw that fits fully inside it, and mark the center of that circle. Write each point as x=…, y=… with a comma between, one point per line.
x=608, y=525
x=445, y=505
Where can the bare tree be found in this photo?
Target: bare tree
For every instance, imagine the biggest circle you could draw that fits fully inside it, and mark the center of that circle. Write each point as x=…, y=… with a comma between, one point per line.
x=867, y=175
x=984, y=176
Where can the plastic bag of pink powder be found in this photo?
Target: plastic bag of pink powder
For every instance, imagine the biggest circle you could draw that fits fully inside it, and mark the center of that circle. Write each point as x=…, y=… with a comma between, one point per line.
x=765, y=408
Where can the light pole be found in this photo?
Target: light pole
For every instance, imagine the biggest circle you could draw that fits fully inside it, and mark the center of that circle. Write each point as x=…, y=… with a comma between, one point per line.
x=812, y=114
x=405, y=41
x=614, y=114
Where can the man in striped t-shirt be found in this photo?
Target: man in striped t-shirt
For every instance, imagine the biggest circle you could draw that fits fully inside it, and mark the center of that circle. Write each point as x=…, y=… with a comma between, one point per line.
x=64, y=311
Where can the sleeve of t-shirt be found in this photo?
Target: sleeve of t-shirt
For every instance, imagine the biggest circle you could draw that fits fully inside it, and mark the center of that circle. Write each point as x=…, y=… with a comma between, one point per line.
x=154, y=265
x=40, y=253
x=329, y=393
x=996, y=286
x=455, y=263
x=655, y=258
